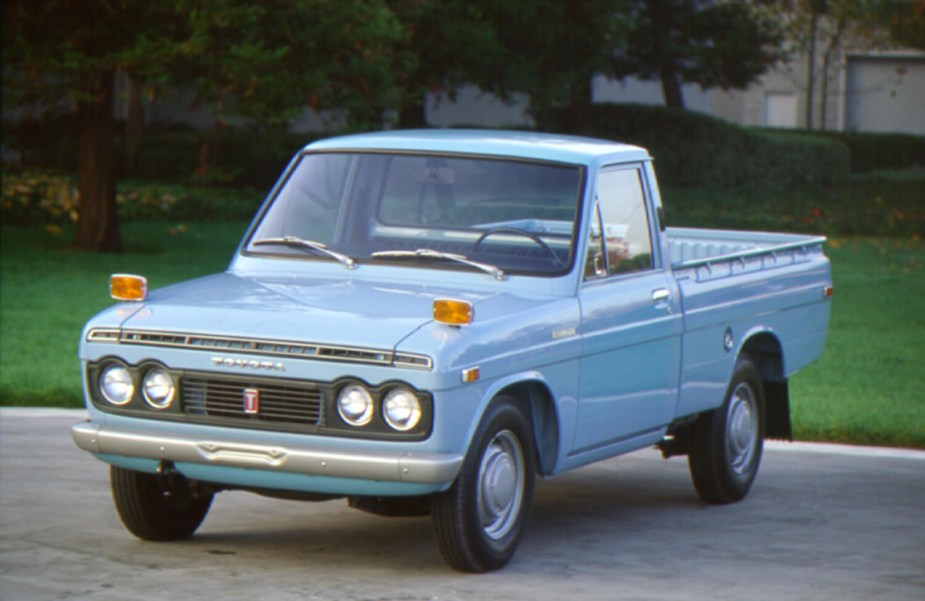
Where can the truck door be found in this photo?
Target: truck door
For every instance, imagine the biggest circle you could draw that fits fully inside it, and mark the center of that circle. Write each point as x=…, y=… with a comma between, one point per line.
x=631, y=321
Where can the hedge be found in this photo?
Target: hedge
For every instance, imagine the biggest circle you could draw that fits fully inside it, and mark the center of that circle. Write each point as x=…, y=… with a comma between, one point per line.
x=879, y=151
x=691, y=149
x=169, y=152
x=694, y=150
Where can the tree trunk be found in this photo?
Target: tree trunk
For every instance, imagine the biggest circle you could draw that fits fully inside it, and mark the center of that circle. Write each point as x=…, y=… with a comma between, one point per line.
x=581, y=106
x=98, y=223
x=671, y=88
x=413, y=114
x=660, y=13
x=811, y=66
x=134, y=121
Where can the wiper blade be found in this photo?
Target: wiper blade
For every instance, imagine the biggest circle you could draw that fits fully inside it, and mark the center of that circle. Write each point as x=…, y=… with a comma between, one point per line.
x=424, y=253
x=311, y=245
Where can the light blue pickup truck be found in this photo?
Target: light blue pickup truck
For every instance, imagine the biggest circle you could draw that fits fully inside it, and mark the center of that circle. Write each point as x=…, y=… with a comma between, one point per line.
x=424, y=322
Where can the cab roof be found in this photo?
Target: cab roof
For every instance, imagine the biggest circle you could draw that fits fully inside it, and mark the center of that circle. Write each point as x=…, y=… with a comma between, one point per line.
x=502, y=143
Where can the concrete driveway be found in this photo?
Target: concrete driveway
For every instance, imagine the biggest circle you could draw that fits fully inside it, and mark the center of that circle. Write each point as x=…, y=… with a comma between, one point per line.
x=821, y=522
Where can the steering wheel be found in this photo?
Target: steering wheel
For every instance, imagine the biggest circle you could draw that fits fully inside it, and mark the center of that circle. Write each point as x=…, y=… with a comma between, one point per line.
x=519, y=232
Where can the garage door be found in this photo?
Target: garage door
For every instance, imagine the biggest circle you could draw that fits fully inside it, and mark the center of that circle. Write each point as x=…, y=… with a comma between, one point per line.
x=886, y=95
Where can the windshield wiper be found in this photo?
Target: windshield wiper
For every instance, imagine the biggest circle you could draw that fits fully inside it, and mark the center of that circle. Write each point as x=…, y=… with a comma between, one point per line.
x=310, y=245
x=423, y=253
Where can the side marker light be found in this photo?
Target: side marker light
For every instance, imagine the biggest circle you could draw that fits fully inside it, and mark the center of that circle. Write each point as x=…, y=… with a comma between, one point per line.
x=125, y=287
x=453, y=312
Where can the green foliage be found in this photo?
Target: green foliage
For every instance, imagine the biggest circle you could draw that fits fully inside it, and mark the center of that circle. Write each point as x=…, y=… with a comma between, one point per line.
x=713, y=44
x=37, y=197
x=905, y=20
x=49, y=292
x=250, y=158
x=446, y=43
x=267, y=61
x=877, y=152
x=694, y=150
x=882, y=204
x=237, y=157
x=870, y=151
x=56, y=49
x=867, y=387
x=551, y=49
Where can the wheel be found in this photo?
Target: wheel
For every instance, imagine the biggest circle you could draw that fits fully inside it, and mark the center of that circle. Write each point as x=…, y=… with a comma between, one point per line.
x=518, y=232
x=478, y=523
x=157, y=507
x=726, y=443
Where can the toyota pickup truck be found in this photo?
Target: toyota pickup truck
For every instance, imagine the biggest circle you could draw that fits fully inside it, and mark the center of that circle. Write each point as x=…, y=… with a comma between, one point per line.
x=425, y=322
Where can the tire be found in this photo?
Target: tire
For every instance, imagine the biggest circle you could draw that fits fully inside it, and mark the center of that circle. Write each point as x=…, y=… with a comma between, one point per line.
x=153, y=510
x=726, y=443
x=479, y=521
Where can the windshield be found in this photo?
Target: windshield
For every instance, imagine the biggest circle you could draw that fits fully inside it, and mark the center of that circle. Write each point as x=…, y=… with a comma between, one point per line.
x=519, y=217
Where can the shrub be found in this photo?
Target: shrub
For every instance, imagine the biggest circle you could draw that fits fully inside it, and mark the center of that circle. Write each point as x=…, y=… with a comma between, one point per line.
x=879, y=152
x=168, y=152
x=872, y=151
x=226, y=156
x=694, y=150
x=37, y=197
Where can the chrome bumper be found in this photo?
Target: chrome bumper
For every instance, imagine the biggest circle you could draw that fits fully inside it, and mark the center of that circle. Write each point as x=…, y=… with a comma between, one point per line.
x=431, y=468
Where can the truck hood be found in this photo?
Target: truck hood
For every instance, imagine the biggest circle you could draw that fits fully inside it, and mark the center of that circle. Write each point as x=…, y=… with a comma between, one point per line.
x=341, y=311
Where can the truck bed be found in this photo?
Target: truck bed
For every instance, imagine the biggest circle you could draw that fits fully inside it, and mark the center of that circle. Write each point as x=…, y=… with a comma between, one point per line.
x=694, y=247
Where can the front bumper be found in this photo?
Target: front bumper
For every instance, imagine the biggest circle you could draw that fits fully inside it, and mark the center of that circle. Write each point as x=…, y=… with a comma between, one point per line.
x=398, y=467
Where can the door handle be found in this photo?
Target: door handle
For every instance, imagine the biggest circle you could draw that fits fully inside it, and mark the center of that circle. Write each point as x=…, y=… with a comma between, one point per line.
x=661, y=295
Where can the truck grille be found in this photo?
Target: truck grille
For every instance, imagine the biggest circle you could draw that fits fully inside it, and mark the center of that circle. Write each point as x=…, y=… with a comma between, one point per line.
x=291, y=403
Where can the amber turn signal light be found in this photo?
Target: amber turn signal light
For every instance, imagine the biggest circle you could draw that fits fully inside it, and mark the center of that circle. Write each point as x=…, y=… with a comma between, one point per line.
x=453, y=312
x=125, y=287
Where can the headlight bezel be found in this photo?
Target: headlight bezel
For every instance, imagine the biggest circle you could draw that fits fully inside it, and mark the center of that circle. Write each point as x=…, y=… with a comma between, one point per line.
x=140, y=401
x=380, y=424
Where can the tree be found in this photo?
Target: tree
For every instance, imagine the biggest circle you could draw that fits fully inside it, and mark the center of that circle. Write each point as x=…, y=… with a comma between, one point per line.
x=712, y=43
x=905, y=21
x=447, y=43
x=262, y=62
x=552, y=50
x=822, y=30
x=258, y=65
x=71, y=49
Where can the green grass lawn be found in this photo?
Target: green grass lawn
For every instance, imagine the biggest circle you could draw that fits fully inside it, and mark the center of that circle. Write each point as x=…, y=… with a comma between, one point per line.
x=47, y=292
x=867, y=388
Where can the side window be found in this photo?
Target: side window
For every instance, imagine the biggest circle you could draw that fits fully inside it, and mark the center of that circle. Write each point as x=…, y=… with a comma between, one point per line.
x=620, y=239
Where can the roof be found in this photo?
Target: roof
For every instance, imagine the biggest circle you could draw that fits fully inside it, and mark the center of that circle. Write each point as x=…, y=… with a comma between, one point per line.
x=514, y=144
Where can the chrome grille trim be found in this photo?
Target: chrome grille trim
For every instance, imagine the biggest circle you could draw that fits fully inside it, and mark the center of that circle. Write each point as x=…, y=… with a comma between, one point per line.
x=277, y=348
x=291, y=403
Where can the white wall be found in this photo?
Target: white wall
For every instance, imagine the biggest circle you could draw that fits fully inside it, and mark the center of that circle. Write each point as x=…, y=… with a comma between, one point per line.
x=885, y=94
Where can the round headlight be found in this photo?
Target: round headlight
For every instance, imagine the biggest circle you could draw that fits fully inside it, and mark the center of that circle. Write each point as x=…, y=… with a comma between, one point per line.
x=116, y=385
x=401, y=409
x=355, y=405
x=158, y=388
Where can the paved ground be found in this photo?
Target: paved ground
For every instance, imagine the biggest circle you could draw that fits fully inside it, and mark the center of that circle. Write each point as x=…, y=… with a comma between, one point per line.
x=820, y=523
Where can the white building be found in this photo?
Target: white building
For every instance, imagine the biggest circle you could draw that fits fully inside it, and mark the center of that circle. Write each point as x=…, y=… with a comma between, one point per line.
x=865, y=92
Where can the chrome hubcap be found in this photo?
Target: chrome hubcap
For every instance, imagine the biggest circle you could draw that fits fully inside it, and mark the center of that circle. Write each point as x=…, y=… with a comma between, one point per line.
x=501, y=485
x=742, y=429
